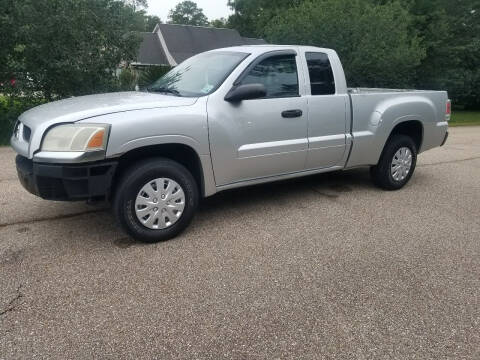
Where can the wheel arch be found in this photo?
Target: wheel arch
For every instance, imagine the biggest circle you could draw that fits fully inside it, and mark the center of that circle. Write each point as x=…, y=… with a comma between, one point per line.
x=184, y=154
x=411, y=127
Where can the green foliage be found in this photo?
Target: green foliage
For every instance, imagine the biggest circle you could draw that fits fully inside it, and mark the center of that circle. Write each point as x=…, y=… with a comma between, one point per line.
x=219, y=23
x=250, y=17
x=187, y=13
x=137, y=3
x=8, y=40
x=10, y=110
x=143, y=77
x=128, y=79
x=150, y=22
x=375, y=42
x=69, y=47
x=59, y=48
x=151, y=74
x=451, y=33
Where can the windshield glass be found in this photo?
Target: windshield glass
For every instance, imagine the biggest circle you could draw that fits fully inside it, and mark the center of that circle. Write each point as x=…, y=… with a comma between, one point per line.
x=199, y=75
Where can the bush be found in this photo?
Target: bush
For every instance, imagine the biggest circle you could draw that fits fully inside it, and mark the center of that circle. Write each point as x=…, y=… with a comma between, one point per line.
x=127, y=79
x=64, y=48
x=151, y=74
x=10, y=110
x=130, y=77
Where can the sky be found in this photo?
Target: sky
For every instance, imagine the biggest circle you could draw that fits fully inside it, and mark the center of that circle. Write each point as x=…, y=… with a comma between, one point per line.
x=214, y=9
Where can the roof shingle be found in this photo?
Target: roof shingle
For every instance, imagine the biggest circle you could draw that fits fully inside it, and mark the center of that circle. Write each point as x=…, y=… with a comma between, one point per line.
x=151, y=52
x=184, y=41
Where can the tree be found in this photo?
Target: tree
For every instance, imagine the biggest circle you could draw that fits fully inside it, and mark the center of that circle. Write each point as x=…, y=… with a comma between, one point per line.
x=187, y=13
x=8, y=40
x=250, y=17
x=136, y=4
x=151, y=21
x=71, y=47
x=219, y=23
x=451, y=35
x=376, y=42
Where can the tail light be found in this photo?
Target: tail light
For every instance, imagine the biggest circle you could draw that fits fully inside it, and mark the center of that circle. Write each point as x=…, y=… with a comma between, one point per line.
x=448, y=110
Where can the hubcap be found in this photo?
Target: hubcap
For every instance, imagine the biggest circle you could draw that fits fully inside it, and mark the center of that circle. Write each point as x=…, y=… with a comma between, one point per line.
x=160, y=203
x=401, y=164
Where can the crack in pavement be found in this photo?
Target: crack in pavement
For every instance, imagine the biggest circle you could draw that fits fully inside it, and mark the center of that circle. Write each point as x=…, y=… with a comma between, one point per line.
x=59, y=217
x=327, y=195
x=449, y=162
x=12, y=305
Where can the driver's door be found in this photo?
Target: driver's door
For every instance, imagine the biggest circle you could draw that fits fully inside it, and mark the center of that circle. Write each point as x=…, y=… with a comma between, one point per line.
x=261, y=137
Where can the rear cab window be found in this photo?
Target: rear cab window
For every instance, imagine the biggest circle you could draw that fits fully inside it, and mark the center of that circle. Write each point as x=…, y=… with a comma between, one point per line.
x=322, y=81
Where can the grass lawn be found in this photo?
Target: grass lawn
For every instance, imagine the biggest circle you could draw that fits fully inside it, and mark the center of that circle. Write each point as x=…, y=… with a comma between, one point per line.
x=465, y=118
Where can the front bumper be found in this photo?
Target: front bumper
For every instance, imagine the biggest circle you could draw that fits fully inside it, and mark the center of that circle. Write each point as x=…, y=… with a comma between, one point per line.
x=66, y=182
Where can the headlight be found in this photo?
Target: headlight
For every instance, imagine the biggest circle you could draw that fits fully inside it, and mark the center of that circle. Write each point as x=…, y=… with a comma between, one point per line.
x=76, y=137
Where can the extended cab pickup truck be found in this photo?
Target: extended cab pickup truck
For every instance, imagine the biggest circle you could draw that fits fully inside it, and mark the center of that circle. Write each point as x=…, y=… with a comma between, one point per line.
x=222, y=119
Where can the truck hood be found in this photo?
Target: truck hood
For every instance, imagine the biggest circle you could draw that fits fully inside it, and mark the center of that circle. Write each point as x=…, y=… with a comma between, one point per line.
x=84, y=107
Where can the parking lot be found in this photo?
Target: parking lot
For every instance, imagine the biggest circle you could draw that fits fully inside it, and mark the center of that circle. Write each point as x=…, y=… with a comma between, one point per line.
x=321, y=267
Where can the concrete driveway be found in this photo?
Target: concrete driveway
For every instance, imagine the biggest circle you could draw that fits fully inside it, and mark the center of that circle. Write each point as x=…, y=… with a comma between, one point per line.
x=321, y=267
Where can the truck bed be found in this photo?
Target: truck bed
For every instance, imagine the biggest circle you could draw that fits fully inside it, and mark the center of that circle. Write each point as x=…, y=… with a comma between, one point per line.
x=375, y=112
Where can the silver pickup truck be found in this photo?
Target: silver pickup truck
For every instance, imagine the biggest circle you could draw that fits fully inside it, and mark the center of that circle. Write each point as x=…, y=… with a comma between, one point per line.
x=222, y=119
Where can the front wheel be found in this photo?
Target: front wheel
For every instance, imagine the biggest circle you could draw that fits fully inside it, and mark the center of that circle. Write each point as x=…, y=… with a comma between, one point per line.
x=397, y=163
x=156, y=200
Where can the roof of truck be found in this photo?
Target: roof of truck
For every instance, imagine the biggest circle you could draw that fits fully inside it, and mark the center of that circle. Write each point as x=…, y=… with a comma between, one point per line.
x=258, y=49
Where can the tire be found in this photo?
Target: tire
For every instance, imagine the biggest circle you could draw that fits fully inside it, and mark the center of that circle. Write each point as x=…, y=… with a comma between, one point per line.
x=383, y=174
x=145, y=177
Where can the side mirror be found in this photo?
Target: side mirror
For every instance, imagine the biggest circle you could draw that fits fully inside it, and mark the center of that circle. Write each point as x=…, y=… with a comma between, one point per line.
x=246, y=92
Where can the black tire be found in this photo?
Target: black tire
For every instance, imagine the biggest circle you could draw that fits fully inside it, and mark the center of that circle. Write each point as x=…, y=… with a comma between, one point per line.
x=381, y=173
x=133, y=181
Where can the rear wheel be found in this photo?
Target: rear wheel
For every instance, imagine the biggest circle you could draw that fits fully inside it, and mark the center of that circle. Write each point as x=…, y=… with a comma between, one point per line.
x=397, y=163
x=156, y=200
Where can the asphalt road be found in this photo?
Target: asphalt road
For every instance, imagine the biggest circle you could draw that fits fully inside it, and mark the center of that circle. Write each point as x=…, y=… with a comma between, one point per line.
x=322, y=267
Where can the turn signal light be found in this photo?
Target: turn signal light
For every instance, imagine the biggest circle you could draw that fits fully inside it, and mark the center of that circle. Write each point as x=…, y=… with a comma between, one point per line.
x=96, y=141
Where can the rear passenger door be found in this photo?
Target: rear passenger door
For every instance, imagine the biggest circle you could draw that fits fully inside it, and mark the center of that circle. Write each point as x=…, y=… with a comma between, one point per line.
x=327, y=113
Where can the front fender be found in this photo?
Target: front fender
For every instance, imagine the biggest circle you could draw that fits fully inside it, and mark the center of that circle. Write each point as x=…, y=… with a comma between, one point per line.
x=186, y=125
x=133, y=129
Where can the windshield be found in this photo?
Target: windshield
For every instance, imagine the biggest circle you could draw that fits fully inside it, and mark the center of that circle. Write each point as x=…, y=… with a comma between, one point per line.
x=199, y=75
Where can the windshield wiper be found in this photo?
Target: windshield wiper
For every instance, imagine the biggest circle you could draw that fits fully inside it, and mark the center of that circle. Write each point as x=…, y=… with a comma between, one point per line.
x=164, y=90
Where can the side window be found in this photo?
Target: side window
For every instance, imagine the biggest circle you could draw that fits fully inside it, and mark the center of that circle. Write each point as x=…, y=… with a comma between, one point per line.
x=321, y=75
x=278, y=74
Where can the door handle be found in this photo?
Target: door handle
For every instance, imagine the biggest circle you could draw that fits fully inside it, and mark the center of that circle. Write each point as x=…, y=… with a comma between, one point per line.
x=292, y=113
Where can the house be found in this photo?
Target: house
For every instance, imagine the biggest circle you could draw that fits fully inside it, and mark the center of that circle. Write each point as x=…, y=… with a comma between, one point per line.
x=171, y=44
